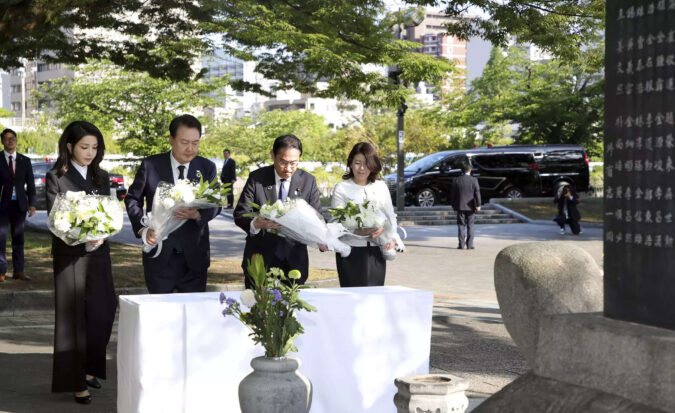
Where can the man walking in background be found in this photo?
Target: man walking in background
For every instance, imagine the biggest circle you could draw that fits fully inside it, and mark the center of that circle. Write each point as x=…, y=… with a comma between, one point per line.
x=229, y=175
x=17, y=197
x=465, y=200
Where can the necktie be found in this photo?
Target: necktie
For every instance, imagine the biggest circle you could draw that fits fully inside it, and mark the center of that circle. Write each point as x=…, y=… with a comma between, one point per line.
x=181, y=168
x=11, y=165
x=282, y=190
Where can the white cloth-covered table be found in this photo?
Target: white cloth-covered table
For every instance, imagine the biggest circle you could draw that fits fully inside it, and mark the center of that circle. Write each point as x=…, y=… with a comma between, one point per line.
x=177, y=353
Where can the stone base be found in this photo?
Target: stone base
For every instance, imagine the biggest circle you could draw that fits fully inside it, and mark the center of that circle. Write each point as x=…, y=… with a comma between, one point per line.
x=593, y=364
x=431, y=393
x=534, y=394
x=630, y=360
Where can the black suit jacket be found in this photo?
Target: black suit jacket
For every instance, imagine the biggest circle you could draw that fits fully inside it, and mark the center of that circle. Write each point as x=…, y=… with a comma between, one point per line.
x=465, y=193
x=229, y=172
x=193, y=237
x=260, y=188
x=73, y=181
x=22, y=181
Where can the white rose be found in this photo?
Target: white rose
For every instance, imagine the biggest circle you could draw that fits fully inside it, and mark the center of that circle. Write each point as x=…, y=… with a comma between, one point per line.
x=247, y=298
x=74, y=195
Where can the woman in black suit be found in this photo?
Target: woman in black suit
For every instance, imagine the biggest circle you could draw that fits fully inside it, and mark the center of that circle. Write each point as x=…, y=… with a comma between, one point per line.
x=83, y=286
x=568, y=213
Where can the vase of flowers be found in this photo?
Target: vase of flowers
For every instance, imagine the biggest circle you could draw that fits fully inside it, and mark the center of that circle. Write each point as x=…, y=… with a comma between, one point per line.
x=268, y=309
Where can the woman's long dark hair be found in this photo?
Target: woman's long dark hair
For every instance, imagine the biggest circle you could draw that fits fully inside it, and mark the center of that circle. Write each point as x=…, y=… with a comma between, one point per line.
x=72, y=135
x=372, y=161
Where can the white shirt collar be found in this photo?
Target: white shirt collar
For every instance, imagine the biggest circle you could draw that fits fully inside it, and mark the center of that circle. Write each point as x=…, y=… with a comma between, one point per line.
x=174, y=167
x=9, y=155
x=81, y=169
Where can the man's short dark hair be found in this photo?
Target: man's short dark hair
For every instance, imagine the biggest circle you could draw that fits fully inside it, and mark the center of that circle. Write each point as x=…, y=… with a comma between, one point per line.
x=466, y=166
x=226, y=150
x=186, y=120
x=8, y=130
x=286, y=141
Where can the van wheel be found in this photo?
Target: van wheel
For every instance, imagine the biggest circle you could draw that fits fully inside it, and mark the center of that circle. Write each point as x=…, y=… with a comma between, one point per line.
x=558, y=188
x=513, y=192
x=426, y=197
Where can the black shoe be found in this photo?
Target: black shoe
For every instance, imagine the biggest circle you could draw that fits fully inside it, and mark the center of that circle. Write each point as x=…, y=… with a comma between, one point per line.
x=94, y=383
x=460, y=248
x=83, y=399
x=472, y=248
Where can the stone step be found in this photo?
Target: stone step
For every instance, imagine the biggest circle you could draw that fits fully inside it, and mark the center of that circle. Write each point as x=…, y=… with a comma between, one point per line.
x=449, y=216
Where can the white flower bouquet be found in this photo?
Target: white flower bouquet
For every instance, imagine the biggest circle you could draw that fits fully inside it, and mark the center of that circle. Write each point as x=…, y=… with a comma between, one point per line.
x=363, y=219
x=77, y=218
x=186, y=194
x=302, y=223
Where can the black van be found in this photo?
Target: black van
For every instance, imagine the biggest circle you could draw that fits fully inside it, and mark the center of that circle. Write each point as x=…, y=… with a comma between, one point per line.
x=512, y=171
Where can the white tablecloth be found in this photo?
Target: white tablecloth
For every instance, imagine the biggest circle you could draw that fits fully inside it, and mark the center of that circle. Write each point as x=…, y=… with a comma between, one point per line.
x=177, y=353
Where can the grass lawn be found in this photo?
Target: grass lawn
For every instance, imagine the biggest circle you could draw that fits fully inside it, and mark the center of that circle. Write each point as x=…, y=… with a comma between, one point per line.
x=126, y=262
x=589, y=208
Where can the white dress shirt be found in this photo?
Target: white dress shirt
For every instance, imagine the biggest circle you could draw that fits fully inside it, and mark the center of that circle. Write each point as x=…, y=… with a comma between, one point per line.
x=376, y=192
x=13, y=156
x=277, y=184
x=174, y=168
x=81, y=169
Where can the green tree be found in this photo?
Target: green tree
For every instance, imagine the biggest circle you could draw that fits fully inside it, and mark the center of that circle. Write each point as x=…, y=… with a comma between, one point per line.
x=562, y=27
x=552, y=101
x=42, y=138
x=133, y=107
x=250, y=138
x=295, y=44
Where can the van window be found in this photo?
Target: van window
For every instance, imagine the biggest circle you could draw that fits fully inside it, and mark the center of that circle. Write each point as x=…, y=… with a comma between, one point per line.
x=563, y=156
x=455, y=162
x=506, y=160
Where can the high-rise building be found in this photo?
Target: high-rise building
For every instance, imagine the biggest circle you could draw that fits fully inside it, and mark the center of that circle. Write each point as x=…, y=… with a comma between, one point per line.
x=431, y=33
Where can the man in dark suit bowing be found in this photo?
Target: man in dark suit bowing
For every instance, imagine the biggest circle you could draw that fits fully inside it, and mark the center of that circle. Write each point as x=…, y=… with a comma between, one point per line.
x=281, y=180
x=465, y=200
x=229, y=175
x=17, y=198
x=185, y=254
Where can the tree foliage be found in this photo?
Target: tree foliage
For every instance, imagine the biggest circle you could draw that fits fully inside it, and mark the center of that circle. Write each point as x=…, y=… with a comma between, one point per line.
x=133, y=107
x=552, y=101
x=562, y=27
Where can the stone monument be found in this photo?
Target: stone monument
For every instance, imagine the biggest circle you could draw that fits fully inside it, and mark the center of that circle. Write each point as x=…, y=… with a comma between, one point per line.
x=622, y=360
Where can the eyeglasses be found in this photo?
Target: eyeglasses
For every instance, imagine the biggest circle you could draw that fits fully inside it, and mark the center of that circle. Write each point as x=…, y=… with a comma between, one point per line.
x=9, y=138
x=293, y=164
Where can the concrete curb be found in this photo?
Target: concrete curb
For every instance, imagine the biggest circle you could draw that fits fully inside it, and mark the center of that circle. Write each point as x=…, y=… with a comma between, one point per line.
x=20, y=303
x=541, y=221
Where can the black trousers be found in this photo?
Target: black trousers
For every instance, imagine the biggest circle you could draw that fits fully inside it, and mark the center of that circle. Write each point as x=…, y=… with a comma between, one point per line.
x=174, y=276
x=16, y=220
x=85, y=311
x=364, y=267
x=465, y=220
x=574, y=225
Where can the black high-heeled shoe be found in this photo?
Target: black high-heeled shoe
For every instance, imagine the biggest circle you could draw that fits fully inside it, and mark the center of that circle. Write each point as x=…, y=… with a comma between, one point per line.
x=94, y=383
x=83, y=399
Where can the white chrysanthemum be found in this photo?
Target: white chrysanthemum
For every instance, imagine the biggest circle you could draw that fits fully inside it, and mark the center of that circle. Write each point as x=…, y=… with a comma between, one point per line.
x=248, y=298
x=62, y=225
x=101, y=227
x=350, y=223
x=83, y=212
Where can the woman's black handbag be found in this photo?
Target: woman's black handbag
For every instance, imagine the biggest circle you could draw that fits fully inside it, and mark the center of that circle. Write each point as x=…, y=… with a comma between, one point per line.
x=560, y=220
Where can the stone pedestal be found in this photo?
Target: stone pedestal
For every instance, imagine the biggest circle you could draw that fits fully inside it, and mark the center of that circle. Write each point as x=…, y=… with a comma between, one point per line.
x=631, y=360
x=431, y=393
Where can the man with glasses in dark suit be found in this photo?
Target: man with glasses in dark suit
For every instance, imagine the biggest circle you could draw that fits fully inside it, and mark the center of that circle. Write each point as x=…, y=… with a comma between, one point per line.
x=17, y=198
x=281, y=180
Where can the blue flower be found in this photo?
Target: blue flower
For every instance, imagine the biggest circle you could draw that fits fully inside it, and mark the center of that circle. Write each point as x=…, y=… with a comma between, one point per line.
x=225, y=312
x=281, y=313
x=276, y=294
x=222, y=297
x=230, y=301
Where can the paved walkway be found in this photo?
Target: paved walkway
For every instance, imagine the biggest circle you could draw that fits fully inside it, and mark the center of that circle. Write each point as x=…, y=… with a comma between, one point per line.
x=468, y=337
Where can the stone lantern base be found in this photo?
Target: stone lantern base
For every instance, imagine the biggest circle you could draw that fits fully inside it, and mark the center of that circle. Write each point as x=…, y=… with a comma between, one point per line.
x=431, y=393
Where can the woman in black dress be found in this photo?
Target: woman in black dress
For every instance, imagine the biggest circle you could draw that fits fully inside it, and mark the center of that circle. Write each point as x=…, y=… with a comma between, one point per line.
x=83, y=286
